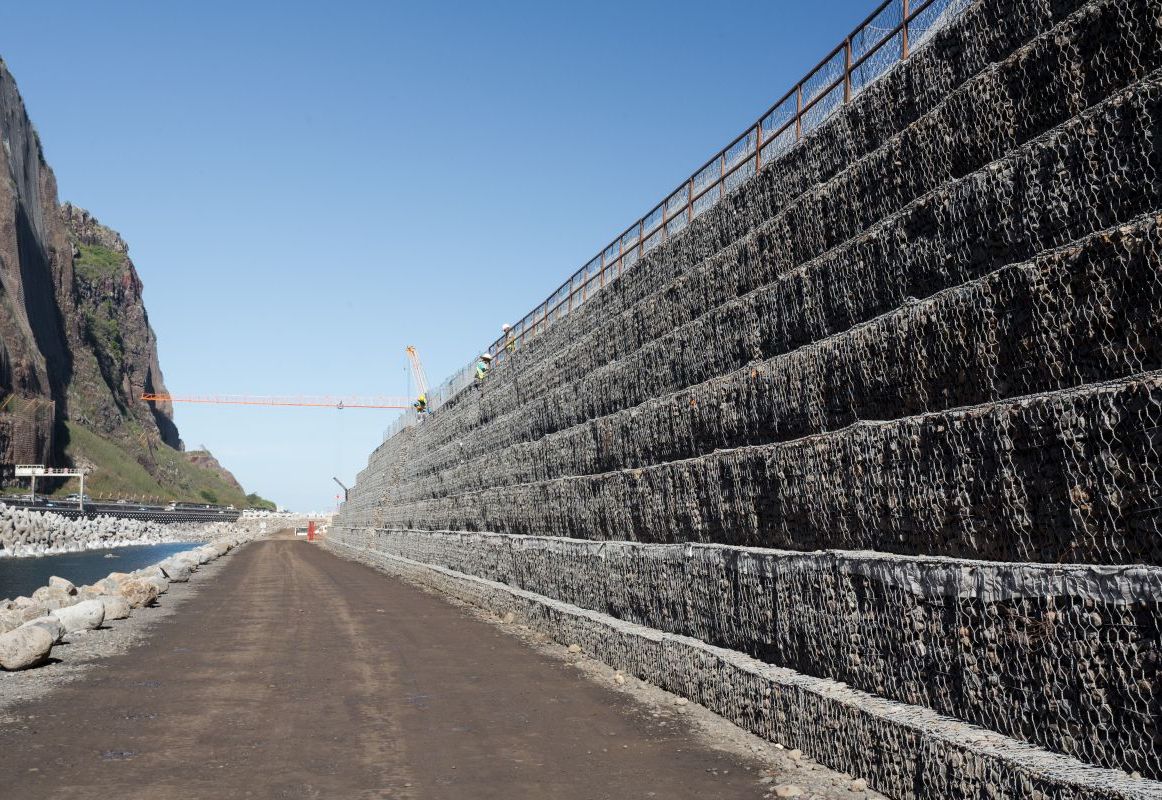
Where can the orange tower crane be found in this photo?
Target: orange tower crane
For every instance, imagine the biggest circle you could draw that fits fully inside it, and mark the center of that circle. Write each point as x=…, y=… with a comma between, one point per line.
x=303, y=401
x=309, y=401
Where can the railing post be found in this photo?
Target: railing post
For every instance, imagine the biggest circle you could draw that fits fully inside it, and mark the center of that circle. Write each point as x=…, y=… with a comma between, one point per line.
x=641, y=240
x=690, y=200
x=904, y=29
x=799, y=112
x=758, y=147
x=847, y=70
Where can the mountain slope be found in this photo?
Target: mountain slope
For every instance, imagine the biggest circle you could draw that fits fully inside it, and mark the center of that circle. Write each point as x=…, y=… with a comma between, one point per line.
x=76, y=346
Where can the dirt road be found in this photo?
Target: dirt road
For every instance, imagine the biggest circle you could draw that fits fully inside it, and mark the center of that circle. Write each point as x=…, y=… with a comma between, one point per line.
x=296, y=674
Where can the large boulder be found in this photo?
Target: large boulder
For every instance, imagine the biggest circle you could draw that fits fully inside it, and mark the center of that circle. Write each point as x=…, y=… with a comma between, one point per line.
x=83, y=616
x=89, y=593
x=24, y=647
x=116, y=606
x=10, y=620
x=160, y=582
x=51, y=624
x=176, y=571
x=61, y=583
x=139, y=592
x=52, y=597
x=32, y=611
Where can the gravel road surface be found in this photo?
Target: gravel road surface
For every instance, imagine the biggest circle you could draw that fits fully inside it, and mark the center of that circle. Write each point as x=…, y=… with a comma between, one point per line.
x=296, y=674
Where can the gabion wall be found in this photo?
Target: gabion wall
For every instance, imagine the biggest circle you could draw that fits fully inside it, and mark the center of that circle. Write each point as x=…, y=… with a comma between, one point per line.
x=739, y=249
x=1067, y=657
x=1020, y=298
x=905, y=751
x=933, y=329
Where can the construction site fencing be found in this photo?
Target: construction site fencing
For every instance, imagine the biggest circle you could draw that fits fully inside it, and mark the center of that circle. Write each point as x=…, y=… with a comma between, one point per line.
x=460, y=380
x=885, y=38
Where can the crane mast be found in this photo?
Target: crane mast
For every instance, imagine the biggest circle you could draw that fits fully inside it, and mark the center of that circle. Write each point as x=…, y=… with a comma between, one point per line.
x=418, y=369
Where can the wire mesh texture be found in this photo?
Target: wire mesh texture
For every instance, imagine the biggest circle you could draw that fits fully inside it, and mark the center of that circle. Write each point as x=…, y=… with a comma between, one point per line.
x=895, y=427
x=889, y=35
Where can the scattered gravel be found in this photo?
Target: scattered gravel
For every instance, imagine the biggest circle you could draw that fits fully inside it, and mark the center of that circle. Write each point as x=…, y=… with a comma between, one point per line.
x=773, y=765
x=83, y=651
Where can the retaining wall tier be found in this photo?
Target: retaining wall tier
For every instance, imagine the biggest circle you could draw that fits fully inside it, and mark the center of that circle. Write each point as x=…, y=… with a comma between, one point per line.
x=1066, y=657
x=926, y=339
x=904, y=751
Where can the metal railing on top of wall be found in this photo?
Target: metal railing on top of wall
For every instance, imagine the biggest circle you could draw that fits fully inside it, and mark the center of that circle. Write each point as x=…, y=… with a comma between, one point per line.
x=887, y=36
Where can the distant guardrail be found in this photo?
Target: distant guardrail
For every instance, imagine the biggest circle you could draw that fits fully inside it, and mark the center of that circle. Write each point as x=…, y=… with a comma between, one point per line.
x=886, y=37
x=126, y=511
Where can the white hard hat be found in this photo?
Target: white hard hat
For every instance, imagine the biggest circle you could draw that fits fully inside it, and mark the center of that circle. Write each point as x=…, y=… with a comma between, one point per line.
x=505, y=327
x=486, y=357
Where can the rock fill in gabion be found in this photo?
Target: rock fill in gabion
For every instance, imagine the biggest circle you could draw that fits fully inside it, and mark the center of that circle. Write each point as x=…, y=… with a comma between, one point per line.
x=888, y=415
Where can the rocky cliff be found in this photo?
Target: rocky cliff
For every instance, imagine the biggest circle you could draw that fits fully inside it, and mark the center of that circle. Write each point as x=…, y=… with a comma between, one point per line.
x=76, y=346
x=36, y=289
x=109, y=331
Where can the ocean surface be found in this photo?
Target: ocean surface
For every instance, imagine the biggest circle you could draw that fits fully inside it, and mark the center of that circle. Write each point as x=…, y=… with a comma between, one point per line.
x=22, y=576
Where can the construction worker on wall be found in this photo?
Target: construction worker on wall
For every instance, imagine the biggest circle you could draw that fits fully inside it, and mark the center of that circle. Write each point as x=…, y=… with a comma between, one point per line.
x=509, y=339
x=483, y=364
x=421, y=404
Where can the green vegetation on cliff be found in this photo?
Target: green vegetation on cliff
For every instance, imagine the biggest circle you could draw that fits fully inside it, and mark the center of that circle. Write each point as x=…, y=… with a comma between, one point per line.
x=104, y=334
x=96, y=262
x=116, y=473
x=255, y=501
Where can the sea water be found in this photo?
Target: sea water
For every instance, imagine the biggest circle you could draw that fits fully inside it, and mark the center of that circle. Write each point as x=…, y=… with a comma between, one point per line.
x=22, y=576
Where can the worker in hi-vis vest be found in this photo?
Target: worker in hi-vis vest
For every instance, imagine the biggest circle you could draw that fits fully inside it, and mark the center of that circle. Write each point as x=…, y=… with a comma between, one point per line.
x=483, y=364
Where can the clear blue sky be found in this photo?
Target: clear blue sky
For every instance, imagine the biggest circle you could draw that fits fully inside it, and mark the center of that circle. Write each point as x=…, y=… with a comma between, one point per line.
x=306, y=188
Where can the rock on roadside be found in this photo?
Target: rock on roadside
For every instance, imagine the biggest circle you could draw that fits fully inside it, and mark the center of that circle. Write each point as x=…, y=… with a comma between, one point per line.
x=86, y=615
x=139, y=592
x=24, y=647
x=116, y=606
x=30, y=626
x=50, y=624
x=63, y=584
x=176, y=570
